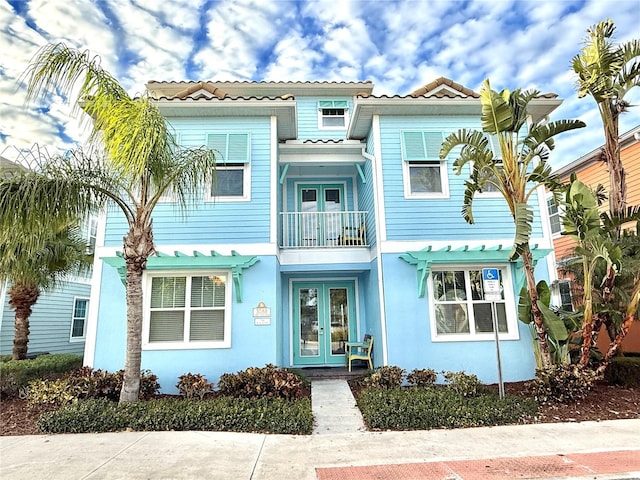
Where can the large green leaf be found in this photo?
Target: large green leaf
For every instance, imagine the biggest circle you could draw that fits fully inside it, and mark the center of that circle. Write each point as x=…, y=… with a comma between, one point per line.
x=523, y=217
x=555, y=326
x=496, y=114
x=524, y=306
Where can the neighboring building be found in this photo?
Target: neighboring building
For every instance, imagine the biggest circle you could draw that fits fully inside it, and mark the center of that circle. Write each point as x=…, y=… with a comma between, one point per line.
x=592, y=170
x=59, y=320
x=332, y=217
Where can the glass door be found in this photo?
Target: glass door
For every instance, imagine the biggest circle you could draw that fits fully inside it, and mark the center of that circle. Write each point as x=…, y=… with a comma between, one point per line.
x=321, y=208
x=324, y=319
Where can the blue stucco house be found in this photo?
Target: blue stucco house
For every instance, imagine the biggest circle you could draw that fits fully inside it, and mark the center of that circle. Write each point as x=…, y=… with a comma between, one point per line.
x=332, y=217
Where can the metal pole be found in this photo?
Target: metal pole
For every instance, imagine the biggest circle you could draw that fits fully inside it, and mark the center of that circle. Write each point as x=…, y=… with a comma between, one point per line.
x=494, y=316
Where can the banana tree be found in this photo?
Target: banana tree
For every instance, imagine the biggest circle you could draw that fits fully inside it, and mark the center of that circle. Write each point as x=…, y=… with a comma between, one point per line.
x=516, y=170
x=608, y=72
x=582, y=223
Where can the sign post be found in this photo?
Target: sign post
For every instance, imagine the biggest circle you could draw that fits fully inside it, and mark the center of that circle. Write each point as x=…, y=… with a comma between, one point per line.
x=492, y=293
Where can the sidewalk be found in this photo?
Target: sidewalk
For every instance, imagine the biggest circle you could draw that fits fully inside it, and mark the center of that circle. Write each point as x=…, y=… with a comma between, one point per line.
x=612, y=448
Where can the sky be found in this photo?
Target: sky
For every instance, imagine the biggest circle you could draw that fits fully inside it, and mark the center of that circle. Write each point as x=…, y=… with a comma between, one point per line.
x=398, y=45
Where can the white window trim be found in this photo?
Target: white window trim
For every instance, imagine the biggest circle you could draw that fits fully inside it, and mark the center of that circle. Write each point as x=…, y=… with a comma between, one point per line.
x=73, y=339
x=509, y=301
x=322, y=127
x=560, y=215
x=146, y=289
x=246, y=185
x=444, y=177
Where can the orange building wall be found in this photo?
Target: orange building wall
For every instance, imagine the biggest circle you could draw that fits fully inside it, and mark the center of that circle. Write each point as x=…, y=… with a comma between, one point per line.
x=593, y=174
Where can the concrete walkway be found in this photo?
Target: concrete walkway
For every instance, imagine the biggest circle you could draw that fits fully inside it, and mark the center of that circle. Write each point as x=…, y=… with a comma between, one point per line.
x=334, y=408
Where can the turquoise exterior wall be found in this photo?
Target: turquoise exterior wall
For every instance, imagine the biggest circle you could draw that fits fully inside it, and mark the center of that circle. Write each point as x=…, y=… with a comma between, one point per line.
x=308, y=119
x=438, y=218
x=49, y=324
x=251, y=345
x=212, y=222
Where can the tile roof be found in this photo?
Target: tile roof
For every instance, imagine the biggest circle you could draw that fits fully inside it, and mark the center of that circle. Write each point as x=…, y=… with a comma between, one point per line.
x=444, y=87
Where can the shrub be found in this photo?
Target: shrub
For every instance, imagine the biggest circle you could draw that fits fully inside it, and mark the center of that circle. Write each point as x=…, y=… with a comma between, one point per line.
x=624, y=371
x=561, y=384
x=268, y=381
x=385, y=377
x=267, y=415
x=422, y=377
x=191, y=384
x=436, y=407
x=15, y=375
x=51, y=392
x=85, y=383
x=465, y=384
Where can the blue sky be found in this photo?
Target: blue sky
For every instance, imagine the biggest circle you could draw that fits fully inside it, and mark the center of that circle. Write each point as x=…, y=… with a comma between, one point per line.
x=398, y=45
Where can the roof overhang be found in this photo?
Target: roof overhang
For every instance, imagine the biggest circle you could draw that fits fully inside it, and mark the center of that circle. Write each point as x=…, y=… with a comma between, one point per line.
x=366, y=107
x=283, y=109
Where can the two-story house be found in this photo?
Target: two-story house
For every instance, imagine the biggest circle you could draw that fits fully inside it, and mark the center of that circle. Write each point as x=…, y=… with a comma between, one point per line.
x=592, y=170
x=332, y=217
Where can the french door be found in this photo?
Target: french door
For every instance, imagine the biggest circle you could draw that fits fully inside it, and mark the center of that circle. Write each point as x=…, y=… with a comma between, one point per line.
x=321, y=207
x=323, y=320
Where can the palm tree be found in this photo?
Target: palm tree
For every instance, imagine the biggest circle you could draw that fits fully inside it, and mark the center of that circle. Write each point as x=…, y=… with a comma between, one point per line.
x=518, y=171
x=34, y=261
x=608, y=72
x=132, y=161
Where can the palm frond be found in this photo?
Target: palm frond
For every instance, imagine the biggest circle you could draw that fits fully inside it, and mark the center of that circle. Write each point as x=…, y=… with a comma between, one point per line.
x=523, y=218
x=467, y=203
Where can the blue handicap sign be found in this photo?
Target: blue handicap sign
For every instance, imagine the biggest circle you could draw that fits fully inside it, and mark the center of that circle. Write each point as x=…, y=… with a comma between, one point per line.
x=490, y=274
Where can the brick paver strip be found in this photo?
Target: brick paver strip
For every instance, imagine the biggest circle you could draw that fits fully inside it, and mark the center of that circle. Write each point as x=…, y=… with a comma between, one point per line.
x=493, y=468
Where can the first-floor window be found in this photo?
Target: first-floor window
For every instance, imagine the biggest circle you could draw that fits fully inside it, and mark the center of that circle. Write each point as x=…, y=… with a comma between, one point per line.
x=460, y=310
x=566, y=299
x=79, y=318
x=188, y=310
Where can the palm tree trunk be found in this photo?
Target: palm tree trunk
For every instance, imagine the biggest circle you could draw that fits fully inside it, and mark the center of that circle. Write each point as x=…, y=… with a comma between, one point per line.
x=617, y=182
x=22, y=298
x=138, y=245
x=632, y=310
x=527, y=264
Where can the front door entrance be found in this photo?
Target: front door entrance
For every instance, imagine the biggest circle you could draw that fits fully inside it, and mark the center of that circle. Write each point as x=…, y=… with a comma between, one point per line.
x=323, y=320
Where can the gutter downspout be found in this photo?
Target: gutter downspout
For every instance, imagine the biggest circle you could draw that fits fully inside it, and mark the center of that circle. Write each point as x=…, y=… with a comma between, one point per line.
x=376, y=172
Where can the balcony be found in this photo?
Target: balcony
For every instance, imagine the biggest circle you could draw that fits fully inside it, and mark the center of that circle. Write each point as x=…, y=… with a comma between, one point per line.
x=324, y=230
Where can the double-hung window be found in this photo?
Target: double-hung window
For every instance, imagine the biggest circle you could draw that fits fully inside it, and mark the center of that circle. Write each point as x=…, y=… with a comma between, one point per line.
x=554, y=216
x=565, y=296
x=79, y=318
x=459, y=309
x=232, y=179
x=332, y=114
x=425, y=175
x=187, y=310
x=490, y=189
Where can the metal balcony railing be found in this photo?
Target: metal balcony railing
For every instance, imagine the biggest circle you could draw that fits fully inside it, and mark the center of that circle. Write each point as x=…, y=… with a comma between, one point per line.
x=324, y=230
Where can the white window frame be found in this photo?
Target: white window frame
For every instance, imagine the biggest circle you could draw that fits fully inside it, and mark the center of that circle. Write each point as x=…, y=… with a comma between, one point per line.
x=85, y=319
x=558, y=293
x=186, y=344
x=246, y=184
x=558, y=214
x=408, y=163
x=322, y=116
x=512, y=332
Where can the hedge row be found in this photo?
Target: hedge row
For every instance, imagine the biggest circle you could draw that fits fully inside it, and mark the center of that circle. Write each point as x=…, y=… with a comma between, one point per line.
x=218, y=414
x=16, y=374
x=436, y=407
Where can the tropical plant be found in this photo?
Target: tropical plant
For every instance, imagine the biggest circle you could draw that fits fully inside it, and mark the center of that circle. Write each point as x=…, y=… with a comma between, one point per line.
x=517, y=172
x=33, y=260
x=581, y=222
x=132, y=161
x=608, y=72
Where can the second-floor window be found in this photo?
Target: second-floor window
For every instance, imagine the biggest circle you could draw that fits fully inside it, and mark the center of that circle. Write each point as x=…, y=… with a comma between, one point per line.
x=554, y=216
x=332, y=114
x=425, y=175
x=232, y=180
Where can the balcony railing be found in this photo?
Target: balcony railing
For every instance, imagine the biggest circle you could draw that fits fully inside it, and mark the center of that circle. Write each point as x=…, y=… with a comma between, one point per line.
x=324, y=230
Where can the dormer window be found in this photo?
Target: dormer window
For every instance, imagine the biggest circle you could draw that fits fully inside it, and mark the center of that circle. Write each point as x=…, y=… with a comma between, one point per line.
x=332, y=114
